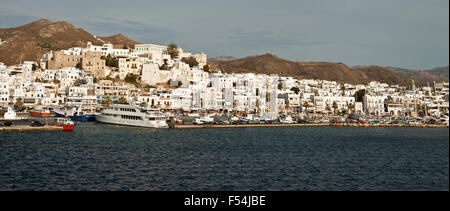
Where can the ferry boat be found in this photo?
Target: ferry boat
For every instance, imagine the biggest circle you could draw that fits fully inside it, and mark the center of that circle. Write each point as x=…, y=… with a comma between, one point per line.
x=40, y=112
x=76, y=113
x=132, y=115
x=65, y=123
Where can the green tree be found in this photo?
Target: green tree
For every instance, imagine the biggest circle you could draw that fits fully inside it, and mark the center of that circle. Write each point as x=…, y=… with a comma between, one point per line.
x=351, y=106
x=110, y=61
x=79, y=65
x=207, y=68
x=295, y=89
x=191, y=61
x=122, y=100
x=80, y=82
x=280, y=86
x=343, y=89
x=131, y=78
x=359, y=95
x=107, y=102
x=335, y=106
x=172, y=50
x=19, y=104
x=306, y=105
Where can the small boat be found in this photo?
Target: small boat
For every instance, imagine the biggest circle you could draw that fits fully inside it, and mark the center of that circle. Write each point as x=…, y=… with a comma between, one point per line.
x=75, y=113
x=286, y=120
x=203, y=120
x=38, y=111
x=65, y=123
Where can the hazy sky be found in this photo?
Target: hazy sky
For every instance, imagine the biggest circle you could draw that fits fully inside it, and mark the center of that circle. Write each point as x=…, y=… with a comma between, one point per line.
x=401, y=33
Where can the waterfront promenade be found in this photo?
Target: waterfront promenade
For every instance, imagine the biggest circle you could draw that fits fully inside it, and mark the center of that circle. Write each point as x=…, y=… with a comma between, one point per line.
x=26, y=128
x=306, y=125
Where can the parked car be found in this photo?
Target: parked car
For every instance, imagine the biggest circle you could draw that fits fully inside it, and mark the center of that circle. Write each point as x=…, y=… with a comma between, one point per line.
x=6, y=124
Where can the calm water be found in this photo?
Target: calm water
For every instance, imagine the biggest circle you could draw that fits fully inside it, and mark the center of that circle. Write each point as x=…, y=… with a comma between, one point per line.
x=107, y=157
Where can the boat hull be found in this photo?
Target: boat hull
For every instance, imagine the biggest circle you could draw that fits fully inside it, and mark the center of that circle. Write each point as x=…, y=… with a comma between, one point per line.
x=82, y=118
x=136, y=123
x=35, y=113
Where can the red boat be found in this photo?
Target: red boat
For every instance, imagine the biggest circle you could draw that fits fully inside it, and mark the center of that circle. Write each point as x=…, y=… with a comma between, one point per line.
x=65, y=123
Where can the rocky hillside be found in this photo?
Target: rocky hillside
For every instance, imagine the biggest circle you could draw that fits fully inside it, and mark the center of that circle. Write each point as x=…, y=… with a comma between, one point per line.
x=438, y=74
x=119, y=41
x=29, y=42
x=271, y=64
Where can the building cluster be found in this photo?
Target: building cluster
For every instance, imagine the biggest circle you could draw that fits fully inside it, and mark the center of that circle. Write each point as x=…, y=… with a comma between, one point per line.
x=82, y=76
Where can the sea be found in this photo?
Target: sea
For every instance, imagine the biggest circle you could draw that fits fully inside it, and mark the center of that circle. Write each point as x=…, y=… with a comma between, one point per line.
x=98, y=156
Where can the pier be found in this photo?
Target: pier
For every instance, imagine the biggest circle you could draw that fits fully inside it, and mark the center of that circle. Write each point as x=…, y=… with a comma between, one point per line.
x=303, y=125
x=26, y=128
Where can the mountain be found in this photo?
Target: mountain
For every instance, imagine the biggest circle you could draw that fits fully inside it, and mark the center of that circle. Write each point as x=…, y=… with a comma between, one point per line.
x=271, y=64
x=438, y=74
x=29, y=42
x=222, y=58
x=119, y=41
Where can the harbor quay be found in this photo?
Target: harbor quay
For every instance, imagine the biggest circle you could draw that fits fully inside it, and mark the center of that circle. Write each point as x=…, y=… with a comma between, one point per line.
x=28, y=128
x=305, y=125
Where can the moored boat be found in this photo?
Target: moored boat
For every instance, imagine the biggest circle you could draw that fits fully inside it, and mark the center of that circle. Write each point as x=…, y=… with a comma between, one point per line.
x=75, y=113
x=65, y=123
x=39, y=111
x=132, y=115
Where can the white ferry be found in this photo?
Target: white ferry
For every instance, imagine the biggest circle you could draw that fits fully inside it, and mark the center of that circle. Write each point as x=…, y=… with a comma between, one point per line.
x=132, y=115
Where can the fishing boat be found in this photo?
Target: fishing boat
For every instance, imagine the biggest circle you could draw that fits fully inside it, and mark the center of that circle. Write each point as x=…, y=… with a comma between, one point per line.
x=76, y=113
x=39, y=111
x=65, y=123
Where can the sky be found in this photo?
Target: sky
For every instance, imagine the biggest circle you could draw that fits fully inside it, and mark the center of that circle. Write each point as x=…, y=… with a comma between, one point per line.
x=400, y=33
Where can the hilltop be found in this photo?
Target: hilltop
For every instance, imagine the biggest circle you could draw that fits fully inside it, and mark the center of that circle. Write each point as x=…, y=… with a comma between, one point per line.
x=272, y=64
x=438, y=74
x=29, y=42
x=119, y=41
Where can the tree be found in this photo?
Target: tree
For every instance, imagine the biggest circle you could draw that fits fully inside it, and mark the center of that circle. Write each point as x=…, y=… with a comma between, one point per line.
x=172, y=50
x=79, y=82
x=351, y=106
x=131, y=78
x=79, y=65
x=335, y=106
x=110, y=61
x=306, y=105
x=295, y=89
x=107, y=101
x=191, y=61
x=122, y=100
x=280, y=86
x=207, y=68
x=19, y=104
x=343, y=89
x=359, y=95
